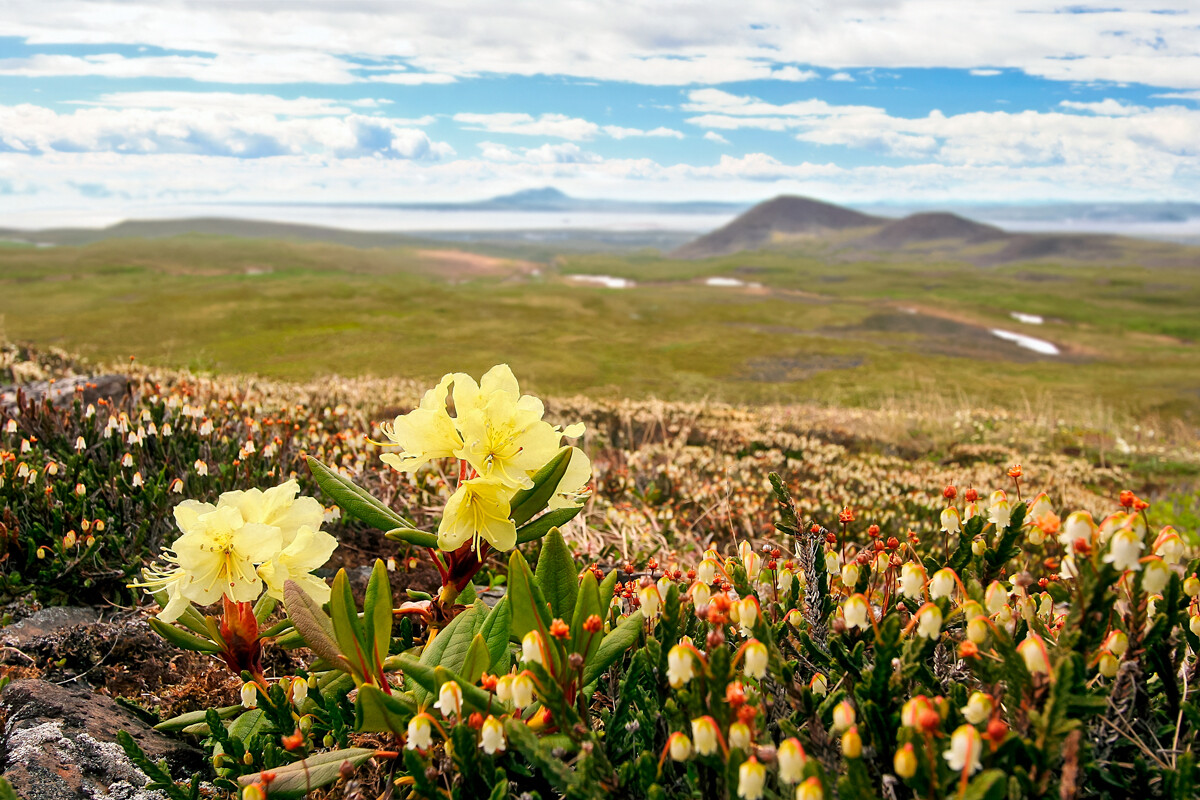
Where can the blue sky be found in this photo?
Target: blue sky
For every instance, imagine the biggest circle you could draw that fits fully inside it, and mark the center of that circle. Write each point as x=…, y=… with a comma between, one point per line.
x=110, y=109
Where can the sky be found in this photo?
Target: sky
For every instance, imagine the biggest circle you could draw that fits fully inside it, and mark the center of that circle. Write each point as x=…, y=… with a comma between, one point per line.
x=108, y=109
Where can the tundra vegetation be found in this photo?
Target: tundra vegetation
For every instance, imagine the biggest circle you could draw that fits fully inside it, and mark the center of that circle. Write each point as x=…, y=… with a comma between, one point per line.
x=459, y=590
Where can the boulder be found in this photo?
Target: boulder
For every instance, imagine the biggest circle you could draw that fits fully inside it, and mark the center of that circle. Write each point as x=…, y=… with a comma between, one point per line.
x=59, y=743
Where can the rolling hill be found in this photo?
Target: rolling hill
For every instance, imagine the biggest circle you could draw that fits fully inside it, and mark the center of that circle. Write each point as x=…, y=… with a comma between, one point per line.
x=783, y=215
x=851, y=233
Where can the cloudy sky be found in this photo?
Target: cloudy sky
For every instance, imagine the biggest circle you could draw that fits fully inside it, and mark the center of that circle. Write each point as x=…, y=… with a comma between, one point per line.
x=116, y=107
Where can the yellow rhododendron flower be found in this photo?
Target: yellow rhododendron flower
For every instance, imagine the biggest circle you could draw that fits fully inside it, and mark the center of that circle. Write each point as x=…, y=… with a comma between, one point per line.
x=308, y=550
x=248, y=539
x=478, y=510
x=507, y=439
x=573, y=488
x=425, y=433
x=219, y=551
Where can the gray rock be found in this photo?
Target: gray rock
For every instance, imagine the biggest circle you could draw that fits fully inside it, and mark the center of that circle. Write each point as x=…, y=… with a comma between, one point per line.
x=46, y=622
x=59, y=743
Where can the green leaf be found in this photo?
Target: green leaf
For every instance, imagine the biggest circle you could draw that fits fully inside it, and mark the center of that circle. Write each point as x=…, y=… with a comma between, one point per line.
x=587, y=603
x=357, y=501
x=377, y=614
x=496, y=630
x=313, y=625
x=7, y=793
x=477, y=661
x=412, y=536
x=987, y=785
x=616, y=642
x=347, y=627
x=421, y=675
x=542, y=525
x=449, y=647
x=248, y=724
x=181, y=638
x=530, y=611
x=528, y=502
x=557, y=575
x=375, y=711
x=607, y=587
x=264, y=607
x=176, y=724
x=300, y=778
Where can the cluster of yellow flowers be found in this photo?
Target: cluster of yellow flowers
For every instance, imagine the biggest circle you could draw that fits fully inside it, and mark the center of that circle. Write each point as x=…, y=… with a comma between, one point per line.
x=502, y=439
x=248, y=540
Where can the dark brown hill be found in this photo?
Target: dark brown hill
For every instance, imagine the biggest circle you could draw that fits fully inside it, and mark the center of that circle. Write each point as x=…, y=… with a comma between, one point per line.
x=786, y=214
x=931, y=227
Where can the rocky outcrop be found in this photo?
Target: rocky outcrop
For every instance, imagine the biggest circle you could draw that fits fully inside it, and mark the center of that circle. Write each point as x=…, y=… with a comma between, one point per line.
x=59, y=743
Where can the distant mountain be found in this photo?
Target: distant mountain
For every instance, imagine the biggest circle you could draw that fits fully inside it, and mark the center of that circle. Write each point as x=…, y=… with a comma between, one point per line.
x=934, y=226
x=213, y=226
x=550, y=199
x=938, y=234
x=786, y=215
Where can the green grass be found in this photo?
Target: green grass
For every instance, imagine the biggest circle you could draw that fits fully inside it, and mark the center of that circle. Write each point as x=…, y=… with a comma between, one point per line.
x=814, y=335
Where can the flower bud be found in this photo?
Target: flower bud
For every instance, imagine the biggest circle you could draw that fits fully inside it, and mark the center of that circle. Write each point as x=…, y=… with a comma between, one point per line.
x=420, y=732
x=450, y=699
x=299, y=691
x=851, y=743
x=650, y=601
x=739, y=736
x=943, y=583
x=791, y=759
x=1116, y=643
x=965, y=748
x=978, y=708
x=1033, y=650
x=810, y=790
x=929, y=621
x=1156, y=576
x=751, y=776
x=1108, y=664
x=522, y=691
x=1191, y=586
x=912, y=580
x=706, y=735
x=679, y=746
x=850, y=575
x=531, y=648
x=819, y=685
x=249, y=695
x=681, y=665
x=905, y=762
x=756, y=658
x=843, y=716
x=491, y=736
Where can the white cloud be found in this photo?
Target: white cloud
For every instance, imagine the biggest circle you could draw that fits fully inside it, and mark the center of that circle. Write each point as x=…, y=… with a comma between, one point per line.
x=557, y=125
x=617, y=132
x=699, y=42
x=713, y=136
x=231, y=102
x=1111, y=137
x=845, y=77
x=565, y=153
x=793, y=74
x=986, y=73
x=208, y=131
x=1107, y=107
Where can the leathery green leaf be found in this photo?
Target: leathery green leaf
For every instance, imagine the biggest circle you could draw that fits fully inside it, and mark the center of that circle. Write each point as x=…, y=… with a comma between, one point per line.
x=300, y=778
x=355, y=500
x=530, y=611
x=557, y=575
x=586, y=604
x=528, y=502
x=378, y=712
x=478, y=659
x=615, y=643
x=347, y=627
x=181, y=638
x=496, y=630
x=377, y=614
x=542, y=525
